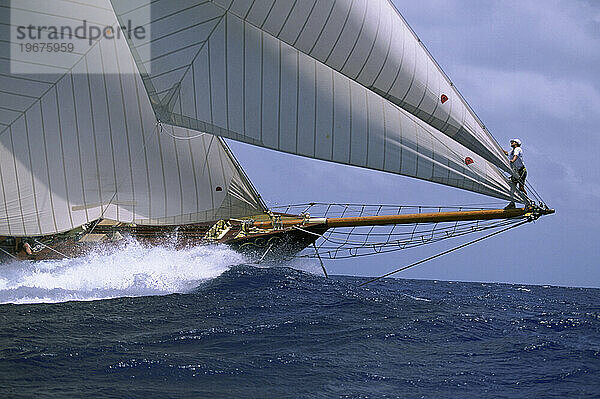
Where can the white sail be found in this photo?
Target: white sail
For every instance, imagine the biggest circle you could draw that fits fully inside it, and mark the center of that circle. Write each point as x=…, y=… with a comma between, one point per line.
x=76, y=146
x=215, y=70
x=369, y=42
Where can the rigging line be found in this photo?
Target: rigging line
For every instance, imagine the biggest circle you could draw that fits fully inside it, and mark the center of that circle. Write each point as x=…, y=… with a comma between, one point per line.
x=179, y=137
x=466, y=206
x=444, y=253
x=445, y=229
x=103, y=211
x=51, y=249
x=383, y=249
x=342, y=242
x=535, y=193
x=320, y=260
x=265, y=254
x=425, y=126
x=408, y=243
x=8, y=253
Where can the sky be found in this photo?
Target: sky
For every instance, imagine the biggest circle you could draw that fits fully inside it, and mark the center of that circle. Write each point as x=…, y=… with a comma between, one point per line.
x=529, y=69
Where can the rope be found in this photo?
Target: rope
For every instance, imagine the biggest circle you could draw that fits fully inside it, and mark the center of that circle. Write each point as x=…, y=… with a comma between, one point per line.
x=103, y=212
x=265, y=254
x=444, y=253
x=52, y=249
x=422, y=238
x=8, y=253
x=179, y=137
x=478, y=206
x=395, y=246
x=321, y=261
x=535, y=193
x=37, y=242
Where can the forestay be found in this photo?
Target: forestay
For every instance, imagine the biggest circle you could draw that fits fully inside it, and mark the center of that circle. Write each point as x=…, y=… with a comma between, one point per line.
x=76, y=146
x=343, y=81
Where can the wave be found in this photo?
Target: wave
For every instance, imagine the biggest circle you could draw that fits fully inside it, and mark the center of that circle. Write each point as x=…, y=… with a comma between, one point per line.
x=131, y=270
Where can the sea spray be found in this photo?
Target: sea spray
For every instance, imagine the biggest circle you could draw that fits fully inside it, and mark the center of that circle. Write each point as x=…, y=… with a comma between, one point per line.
x=130, y=270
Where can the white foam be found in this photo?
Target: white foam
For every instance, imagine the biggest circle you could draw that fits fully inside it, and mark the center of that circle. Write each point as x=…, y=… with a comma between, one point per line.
x=416, y=298
x=131, y=270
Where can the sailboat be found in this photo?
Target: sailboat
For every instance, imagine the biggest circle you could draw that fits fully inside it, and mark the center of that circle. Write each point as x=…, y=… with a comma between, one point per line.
x=125, y=138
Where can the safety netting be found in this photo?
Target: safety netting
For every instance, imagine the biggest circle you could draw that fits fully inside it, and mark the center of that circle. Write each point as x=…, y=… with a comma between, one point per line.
x=348, y=242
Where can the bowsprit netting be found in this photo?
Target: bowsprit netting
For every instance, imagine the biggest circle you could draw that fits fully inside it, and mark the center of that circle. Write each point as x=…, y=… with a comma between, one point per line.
x=347, y=242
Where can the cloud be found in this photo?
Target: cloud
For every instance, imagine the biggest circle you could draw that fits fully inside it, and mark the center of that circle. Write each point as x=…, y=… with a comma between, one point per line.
x=556, y=37
x=512, y=92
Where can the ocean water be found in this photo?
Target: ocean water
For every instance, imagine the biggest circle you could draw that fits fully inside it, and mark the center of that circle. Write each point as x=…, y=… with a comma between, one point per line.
x=201, y=323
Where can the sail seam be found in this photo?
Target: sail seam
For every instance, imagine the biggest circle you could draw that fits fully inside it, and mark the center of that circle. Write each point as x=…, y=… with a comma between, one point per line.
x=51, y=84
x=322, y=28
x=372, y=44
x=127, y=138
x=289, y=14
x=297, y=95
x=5, y=202
x=16, y=94
x=362, y=25
x=62, y=152
x=341, y=31
x=76, y=119
x=37, y=211
x=278, y=99
x=11, y=76
x=304, y=24
x=172, y=14
x=244, y=110
x=188, y=66
x=144, y=143
x=91, y=103
x=110, y=132
x=47, y=165
x=250, y=8
x=12, y=144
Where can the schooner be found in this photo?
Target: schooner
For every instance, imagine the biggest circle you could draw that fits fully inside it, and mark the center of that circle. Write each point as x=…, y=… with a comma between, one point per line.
x=125, y=137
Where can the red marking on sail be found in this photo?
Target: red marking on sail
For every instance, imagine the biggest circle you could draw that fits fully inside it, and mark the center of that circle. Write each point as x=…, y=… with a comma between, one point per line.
x=469, y=160
x=219, y=188
x=444, y=98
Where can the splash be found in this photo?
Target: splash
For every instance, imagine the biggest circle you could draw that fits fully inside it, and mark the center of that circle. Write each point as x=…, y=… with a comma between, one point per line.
x=131, y=270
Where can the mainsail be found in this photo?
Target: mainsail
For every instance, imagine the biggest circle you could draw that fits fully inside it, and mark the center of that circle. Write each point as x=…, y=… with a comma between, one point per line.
x=344, y=81
x=76, y=146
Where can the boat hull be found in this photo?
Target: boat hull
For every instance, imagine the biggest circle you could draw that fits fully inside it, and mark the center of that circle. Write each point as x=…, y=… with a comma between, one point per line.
x=264, y=245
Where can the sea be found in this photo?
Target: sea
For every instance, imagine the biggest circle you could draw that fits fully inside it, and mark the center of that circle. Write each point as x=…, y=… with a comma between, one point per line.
x=204, y=323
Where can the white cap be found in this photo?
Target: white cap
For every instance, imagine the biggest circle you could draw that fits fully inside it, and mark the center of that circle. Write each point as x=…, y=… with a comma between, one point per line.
x=516, y=141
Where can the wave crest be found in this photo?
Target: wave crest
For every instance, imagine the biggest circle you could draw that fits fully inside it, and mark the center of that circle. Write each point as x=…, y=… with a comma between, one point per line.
x=130, y=270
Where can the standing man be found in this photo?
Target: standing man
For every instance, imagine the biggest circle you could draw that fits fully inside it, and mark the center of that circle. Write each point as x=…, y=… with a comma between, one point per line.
x=515, y=157
x=516, y=162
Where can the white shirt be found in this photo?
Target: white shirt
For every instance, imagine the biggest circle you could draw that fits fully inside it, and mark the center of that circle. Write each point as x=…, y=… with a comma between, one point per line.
x=518, y=164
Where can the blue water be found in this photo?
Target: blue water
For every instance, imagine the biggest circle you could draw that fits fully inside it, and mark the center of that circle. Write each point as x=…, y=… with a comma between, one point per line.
x=201, y=324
